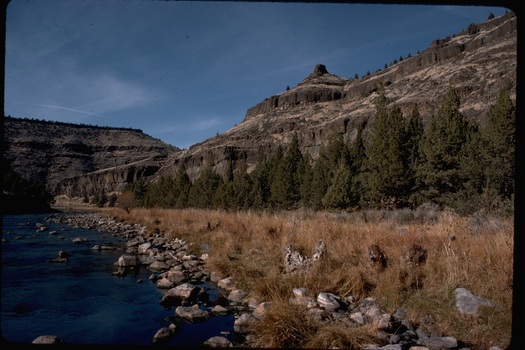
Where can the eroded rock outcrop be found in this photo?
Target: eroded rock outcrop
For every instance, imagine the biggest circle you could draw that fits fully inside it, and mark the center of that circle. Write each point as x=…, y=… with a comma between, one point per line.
x=476, y=64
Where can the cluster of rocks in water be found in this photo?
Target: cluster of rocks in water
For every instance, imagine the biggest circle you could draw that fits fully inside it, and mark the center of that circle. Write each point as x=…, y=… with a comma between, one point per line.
x=189, y=285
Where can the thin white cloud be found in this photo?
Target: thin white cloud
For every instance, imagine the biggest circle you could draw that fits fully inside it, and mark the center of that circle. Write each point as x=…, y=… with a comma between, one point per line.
x=108, y=93
x=58, y=107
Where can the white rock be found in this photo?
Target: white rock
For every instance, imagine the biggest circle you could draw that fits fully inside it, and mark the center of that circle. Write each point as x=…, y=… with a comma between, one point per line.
x=329, y=301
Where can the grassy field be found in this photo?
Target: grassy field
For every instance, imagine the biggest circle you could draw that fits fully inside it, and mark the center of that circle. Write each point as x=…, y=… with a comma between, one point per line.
x=471, y=252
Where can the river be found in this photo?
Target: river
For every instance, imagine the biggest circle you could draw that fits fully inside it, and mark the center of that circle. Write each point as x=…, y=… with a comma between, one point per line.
x=80, y=301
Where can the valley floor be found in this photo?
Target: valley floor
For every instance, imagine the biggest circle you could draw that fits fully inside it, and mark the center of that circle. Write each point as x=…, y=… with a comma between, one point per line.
x=402, y=259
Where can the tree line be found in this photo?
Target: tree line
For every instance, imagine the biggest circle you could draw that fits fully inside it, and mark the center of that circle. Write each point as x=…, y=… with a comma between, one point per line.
x=453, y=162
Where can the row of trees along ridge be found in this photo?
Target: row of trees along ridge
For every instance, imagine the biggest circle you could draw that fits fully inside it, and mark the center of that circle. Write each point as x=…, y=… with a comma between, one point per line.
x=453, y=162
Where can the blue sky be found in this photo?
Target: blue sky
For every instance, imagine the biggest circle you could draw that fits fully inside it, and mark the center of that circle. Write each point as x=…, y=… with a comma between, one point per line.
x=183, y=71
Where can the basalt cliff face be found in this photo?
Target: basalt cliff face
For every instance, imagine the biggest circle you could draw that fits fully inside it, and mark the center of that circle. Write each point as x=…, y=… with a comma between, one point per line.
x=78, y=160
x=477, y=63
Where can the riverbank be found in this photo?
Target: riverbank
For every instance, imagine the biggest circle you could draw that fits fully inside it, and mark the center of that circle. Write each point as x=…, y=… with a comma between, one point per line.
x=377, y=273
x=66, y=204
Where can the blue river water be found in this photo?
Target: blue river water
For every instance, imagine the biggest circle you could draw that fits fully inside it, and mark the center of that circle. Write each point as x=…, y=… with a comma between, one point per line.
x=80, y=300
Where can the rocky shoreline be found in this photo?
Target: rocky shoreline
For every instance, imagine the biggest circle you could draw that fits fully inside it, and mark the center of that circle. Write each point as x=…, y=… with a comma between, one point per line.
x=196, y=293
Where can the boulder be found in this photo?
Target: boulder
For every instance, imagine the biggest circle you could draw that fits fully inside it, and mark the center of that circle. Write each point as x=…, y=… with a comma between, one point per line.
x=226, y=283
x=244, y=323
x=177, y=276
x=218, y=342
x=48, y=339
x=185, y=291
x=330, y=302
x=158, y=265
x=127, y=260
x=191, y=313
x=175, y=296
x=300, y=292
x=162, y=334
x=261, y=310
x=143, y=248
x=470, y=304
x=438, y=343
x=237, y=295
x=165, y=283
x=295, y=261
x=219, y=310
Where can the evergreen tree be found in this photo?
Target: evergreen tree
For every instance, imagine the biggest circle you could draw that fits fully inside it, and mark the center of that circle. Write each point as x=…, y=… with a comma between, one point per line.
x=413, y=134
x=500, y=135
x=488, y=167
x=338, y=195
x=320, y=180
x=336, y=150
x=441, y=152
x=242, y=187
x=224, y=196
x=468, y=197
x=158, y=194
x=139, y=188
x=203, y=191
x=181, y=187
x=358, y=158
x=285, y=187
x=387, y=167
x=305, y=176
x=260, y=179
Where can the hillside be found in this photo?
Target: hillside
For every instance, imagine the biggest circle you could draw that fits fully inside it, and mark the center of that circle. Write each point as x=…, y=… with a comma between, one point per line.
x=51, y=152
x=76, y=160
x=476, y=63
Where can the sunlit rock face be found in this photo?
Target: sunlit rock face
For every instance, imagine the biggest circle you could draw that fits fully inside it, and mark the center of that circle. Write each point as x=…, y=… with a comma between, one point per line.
x=477, y=64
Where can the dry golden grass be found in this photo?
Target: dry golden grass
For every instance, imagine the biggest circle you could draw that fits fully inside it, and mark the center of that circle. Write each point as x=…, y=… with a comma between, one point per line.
x=249, y=246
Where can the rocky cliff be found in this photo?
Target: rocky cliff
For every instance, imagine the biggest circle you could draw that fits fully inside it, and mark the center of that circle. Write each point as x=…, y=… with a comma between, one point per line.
x=80, y=160
x=476, y=63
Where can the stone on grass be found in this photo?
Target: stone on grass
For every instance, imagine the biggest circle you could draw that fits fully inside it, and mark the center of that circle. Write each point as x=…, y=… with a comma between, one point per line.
x=470, y=304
